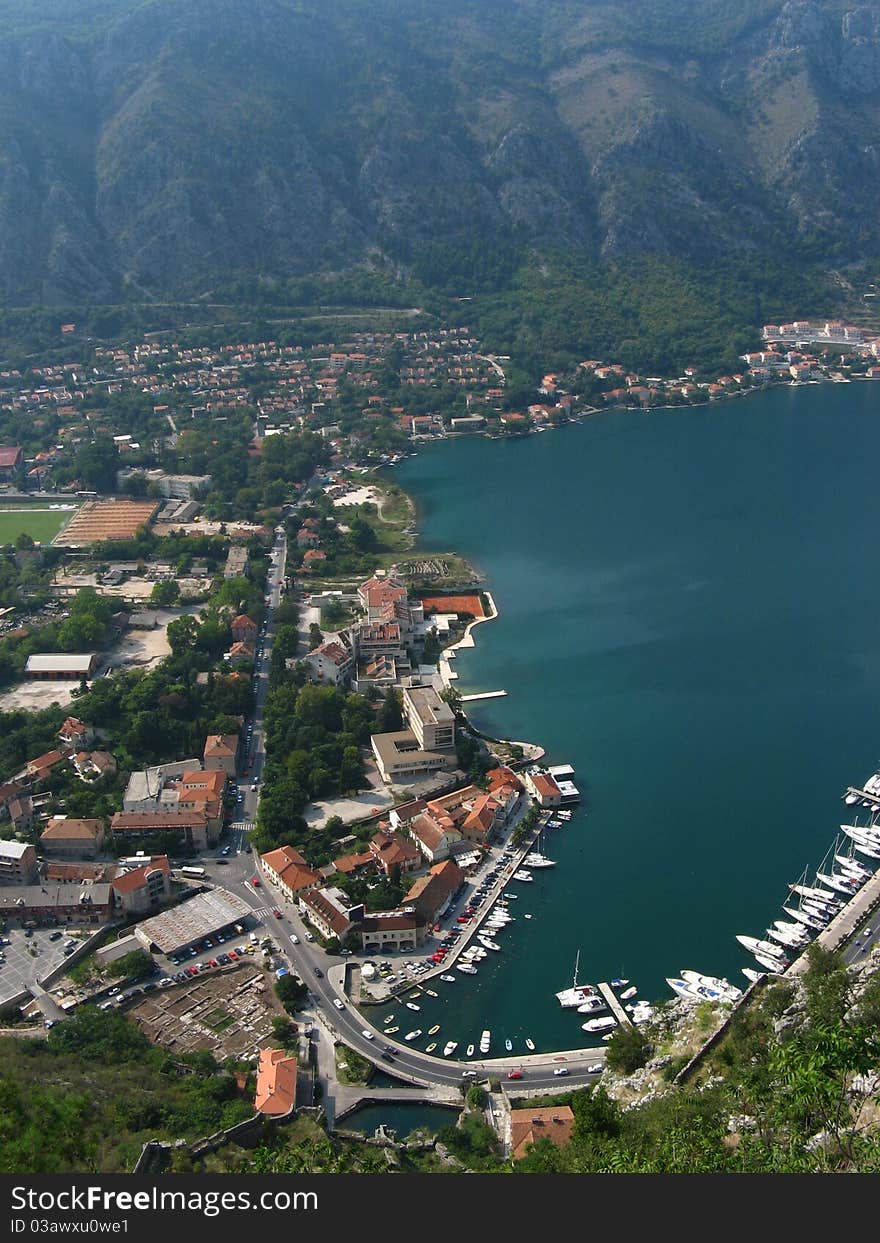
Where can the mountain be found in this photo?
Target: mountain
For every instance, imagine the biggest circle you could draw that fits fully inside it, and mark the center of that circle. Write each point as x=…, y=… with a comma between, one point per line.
x=165, y=148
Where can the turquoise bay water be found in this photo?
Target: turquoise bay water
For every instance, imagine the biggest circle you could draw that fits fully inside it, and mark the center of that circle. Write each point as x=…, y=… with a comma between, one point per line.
x=403, y=1118
x=690, y=615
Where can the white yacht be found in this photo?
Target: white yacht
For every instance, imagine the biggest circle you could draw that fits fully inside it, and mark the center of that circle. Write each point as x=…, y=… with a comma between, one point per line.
x=853, y=867
x=682, y=989
x=813, y=894
x=411, y=1005
x=594, y=1026
x=523, y=875
x=629, y=992
x=490, y=945
x=484, y=1041
x=536, y=860
x=775, y=966
x=767, y=948
x=718, y=984
x=843, y=884
x=591, y=1004
x=799, y=929
x=414, y=1035
x=465, y=968
x=571, y=998
x=470, y=1051
x=450, y=979
x=751, y=974
x=806, y=918
x=450, y=1048
x=785, y=938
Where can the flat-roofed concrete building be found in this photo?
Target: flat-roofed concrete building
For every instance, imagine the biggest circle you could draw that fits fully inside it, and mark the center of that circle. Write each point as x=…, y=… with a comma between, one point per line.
x=18, y=863
x=430, y=718
x=61, y=666
x=398, y=756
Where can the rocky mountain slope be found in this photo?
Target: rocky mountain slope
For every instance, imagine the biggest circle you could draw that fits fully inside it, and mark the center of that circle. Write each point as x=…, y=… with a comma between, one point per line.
x=162, y=147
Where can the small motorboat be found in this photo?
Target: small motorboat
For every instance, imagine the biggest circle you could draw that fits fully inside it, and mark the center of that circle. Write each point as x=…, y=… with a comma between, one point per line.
x=389, y=1031
x=389, y=1018
x=413, y=1035
x=451, y=1046
x=411, y=1005
x=470, y=1051
x=429, y=1048
x=432, y=1031
x=450, y=979
x=530, y=1044
x=508, y=1044
x=629, y=992
x=431, y=992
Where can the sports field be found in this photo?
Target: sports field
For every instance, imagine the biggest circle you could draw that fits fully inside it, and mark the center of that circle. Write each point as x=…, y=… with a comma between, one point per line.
x=41, y=524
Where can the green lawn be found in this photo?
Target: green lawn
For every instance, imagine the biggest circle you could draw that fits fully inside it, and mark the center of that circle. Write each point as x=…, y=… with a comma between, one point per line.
x=41, y=524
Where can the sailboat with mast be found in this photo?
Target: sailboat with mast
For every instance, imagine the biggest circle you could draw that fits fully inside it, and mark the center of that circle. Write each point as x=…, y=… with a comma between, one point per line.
x=578, y=994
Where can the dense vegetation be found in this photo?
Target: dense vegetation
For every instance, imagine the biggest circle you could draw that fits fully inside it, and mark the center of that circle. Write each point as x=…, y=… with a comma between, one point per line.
x=91, y=1095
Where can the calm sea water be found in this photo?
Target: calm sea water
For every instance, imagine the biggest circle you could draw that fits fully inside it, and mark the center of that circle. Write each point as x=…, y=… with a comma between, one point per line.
x=690, y=615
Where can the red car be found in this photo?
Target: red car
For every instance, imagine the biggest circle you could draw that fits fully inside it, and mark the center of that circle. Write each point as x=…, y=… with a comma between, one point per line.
x=255, y=880
x=277, y=913
x=514, y=1074
x=192, y=971
x=232, y=954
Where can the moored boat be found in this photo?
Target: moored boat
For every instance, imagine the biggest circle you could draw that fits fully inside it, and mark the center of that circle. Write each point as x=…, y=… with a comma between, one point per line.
x=432, y=1031
x=594, y=1026
x=413, y=1035
x=429, y=1048
x=470, y=1051
x=450, y=1048
x=485, y=1039
x=530, y=1044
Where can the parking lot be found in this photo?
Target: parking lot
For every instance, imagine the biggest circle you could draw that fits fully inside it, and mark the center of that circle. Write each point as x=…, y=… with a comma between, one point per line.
x=27, y=958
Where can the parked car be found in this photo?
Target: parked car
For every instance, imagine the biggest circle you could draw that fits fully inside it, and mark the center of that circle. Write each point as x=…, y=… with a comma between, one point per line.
x=338, y=1004
x=561, y=1070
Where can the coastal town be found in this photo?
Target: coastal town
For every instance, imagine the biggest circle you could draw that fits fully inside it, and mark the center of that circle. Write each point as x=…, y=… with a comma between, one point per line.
x=242, y=803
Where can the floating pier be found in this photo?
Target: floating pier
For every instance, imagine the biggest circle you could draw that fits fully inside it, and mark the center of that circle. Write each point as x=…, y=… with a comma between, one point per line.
x=614, y=1005
x=865, y=794
x=466, y=699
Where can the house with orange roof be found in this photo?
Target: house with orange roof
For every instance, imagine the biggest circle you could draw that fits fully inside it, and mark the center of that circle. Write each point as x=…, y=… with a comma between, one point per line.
x=391, y=851
x=527, y=1126
x=142, y=890
x=287, y=869
x=221, y=752
x=276, y=1084
x=244, y=629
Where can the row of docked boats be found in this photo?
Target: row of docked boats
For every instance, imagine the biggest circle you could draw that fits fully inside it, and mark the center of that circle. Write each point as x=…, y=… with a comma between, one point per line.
x=811, y=907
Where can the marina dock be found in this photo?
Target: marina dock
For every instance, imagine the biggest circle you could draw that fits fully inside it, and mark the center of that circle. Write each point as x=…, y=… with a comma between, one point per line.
x=864, y=794
x=466, y=699
x=845, y=922
x=614, y=1005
